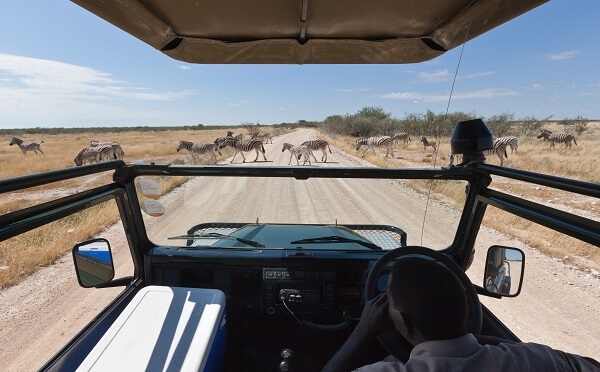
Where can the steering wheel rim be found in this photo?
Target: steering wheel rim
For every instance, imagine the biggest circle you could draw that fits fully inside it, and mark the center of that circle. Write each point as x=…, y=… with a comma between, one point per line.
x=393, y=341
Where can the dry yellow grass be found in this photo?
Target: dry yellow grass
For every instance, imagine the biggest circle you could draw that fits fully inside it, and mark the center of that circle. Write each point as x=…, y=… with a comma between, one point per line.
x=581, y=162
x=23, y=254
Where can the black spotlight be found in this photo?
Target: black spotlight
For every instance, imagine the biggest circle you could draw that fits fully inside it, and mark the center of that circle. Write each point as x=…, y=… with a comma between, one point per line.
x=471, y=138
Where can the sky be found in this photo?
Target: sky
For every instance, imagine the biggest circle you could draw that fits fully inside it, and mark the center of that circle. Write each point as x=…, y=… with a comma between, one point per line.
x=61, y=66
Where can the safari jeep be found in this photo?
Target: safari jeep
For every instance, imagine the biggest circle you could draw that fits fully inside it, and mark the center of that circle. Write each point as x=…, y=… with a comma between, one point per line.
x=217, y=274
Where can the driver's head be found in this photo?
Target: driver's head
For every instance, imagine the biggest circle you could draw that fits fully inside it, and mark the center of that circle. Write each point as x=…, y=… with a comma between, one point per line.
x=427, y=300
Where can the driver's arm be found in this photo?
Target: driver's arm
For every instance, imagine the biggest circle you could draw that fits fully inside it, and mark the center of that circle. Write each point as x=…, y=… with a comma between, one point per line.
x=374, y=320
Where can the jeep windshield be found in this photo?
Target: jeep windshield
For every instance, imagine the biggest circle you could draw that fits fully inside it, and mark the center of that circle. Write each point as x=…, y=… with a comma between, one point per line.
x=225, y=210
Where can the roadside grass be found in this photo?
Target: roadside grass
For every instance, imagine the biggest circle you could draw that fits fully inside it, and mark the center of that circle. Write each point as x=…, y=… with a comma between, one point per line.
x=580, y=162
x=23, y=254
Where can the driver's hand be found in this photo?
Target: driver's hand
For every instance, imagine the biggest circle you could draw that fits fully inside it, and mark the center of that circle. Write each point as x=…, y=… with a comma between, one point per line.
x=375, y=318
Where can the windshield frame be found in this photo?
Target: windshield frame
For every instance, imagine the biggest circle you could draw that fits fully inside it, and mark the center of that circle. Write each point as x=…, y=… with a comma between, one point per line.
x=465, y=232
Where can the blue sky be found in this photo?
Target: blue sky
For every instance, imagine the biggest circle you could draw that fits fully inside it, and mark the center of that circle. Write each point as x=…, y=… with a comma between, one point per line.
x=61, y=66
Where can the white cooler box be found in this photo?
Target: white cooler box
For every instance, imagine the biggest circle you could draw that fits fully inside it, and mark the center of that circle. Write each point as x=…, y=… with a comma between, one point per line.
x=164, y=329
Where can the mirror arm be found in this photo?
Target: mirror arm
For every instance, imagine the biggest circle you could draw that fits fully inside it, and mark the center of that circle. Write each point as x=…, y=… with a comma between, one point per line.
x=484, y=292
x=124, y=281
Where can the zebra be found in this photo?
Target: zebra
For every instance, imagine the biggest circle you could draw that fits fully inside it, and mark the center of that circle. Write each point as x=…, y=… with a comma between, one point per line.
x=244, y=146
x=560, y=138
x=401, y=136
x=237, y=136
x=315, y=145
x=263, y=136
x=119, y=153
x=372, y=142
x=27, y=146
x=511, y=141
x=500, y=150
x=428, y=144
x=200, y=148
x=94, y=154
x=301, y=150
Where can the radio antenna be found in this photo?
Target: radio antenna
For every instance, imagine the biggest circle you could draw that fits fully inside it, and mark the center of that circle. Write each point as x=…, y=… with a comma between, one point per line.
x=438, y=138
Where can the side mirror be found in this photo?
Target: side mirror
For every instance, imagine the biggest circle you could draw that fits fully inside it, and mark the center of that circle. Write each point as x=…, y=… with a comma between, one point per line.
x=93, y=262
x=504, y=269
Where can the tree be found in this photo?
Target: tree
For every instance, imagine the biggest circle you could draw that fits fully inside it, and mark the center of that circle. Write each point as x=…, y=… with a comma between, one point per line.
x=577, y=125
x=373, y=112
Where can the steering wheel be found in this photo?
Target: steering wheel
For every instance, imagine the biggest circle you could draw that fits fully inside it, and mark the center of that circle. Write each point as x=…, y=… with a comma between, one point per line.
x=393, y=341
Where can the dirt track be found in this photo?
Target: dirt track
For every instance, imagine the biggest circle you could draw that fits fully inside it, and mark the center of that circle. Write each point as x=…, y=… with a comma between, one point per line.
x=558, y=306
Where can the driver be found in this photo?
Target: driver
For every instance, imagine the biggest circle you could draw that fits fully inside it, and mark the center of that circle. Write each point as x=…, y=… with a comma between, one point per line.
x=427, y=304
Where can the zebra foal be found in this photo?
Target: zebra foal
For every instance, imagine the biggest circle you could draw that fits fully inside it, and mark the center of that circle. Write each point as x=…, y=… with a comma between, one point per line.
x=315, y=145
x=297, y=152
x=27, y=146
x=405, y=137
x=427, y=144
x=265, y=137
x=243, y=146
x=565, y=138
x=199, y=149
x=372, y=142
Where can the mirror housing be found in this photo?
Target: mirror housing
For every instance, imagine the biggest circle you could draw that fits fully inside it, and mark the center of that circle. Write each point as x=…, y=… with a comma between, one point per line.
x=93, y=262
x=504, y=271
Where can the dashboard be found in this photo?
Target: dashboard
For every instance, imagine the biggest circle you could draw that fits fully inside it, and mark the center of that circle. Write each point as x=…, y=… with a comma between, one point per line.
x=317, y=290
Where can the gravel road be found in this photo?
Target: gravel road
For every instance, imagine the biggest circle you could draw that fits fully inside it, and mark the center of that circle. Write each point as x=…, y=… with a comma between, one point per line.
x=558, y=306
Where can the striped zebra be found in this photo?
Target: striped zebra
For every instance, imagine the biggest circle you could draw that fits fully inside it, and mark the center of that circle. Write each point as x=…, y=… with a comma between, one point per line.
x=297, y=152
x=315, y=145
x=237, y=136
x=500, y=150
x=511, y=141
x=263, y=136
x=244, y=146
x=565, y=138
x=119, y=153
x=405, y=137
x=427, y=144
x=199, y=149
x=372, y=142
x=27, y=146
x=94, y=154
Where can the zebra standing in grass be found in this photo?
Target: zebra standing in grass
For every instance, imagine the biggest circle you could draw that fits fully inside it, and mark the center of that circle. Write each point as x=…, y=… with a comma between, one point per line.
x=401, y=136
x=315, y=145
x=297, y=152
x=500, y=150
x=199, y=149
x=94, y=154
x=372, y=142
x=511, y=141
x=119, y=153
x=27, y=146
x=237, y=136
x=244, y=146
x=565, y=138
x=263, y=136
x=428, y=144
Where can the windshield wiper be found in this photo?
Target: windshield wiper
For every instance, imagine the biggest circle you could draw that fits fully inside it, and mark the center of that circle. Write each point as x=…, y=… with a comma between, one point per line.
x=215, y=235
x=336, y=239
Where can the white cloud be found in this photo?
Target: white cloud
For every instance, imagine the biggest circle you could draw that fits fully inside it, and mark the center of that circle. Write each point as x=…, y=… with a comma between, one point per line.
x=435, y=76
x=478, y=74
x=352, y=90
x=437, y=97
x=562, y=56
x=182, y=67
x=37, y=88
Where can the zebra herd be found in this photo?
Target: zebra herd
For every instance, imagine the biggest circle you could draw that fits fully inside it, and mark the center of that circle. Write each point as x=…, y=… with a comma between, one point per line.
x=256, y=143
x=99, y=151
